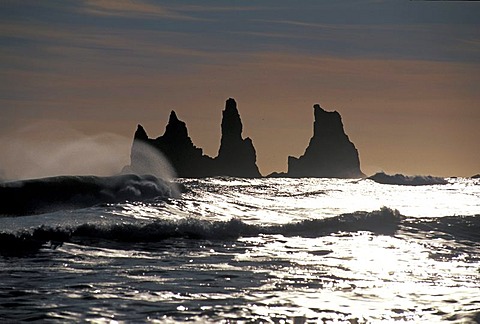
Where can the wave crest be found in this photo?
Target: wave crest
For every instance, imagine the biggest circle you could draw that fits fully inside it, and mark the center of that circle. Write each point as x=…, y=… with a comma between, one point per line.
x=38, y=196
x=400, y=179
x=384, y=221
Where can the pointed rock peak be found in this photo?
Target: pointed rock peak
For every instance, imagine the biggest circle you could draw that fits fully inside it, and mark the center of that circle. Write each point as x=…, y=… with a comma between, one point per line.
x=326, y=122
x=175, y=127
x=231, y=122
x=231, y=104
x=173, y=117
x=317, y=110
x=323, y=116
x=329, y=153
x=140, y=133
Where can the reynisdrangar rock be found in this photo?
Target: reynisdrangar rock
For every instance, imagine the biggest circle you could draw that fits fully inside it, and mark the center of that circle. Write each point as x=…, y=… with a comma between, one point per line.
x=236, y=156
x=330, y=153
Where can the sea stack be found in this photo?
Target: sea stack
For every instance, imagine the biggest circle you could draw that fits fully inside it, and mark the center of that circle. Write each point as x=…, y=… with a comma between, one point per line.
x=236, y=156
x=187, y=160
x=330, y=153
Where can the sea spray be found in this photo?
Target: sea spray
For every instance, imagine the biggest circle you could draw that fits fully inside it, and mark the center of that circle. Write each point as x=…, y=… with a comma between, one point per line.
x=52, y=148
x=149, y=160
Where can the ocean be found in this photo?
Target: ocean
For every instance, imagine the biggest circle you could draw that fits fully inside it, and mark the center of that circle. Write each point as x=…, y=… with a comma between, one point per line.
x=267, y=250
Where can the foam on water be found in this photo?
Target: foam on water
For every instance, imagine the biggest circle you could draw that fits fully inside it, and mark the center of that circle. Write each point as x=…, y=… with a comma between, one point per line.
x=400, y=179
x=38, y=196
x=252, y=250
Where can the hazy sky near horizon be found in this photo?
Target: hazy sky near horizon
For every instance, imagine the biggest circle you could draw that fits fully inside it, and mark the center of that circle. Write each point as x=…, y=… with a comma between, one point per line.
x=77, y=76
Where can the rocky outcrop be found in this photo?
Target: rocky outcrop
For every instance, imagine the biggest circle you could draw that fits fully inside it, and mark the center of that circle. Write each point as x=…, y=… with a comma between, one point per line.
x=187, y=160
x=236, y=156
x=330, y=153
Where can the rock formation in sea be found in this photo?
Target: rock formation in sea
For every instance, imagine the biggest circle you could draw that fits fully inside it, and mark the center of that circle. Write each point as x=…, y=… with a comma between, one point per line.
x=330, y=153
x=177, y=147
x=236, y=156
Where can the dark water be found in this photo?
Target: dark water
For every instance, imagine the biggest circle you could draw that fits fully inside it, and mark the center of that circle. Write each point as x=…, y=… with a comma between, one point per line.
x=258, y=250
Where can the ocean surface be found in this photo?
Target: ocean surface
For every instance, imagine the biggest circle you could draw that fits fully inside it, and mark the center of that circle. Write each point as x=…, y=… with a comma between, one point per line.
x=273, y=250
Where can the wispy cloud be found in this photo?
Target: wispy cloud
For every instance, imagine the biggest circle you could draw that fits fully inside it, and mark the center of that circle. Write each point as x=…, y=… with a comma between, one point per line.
x=210, y=8
x=69, y=39
x=354, y=26
x=473, y=44
x=131, y=8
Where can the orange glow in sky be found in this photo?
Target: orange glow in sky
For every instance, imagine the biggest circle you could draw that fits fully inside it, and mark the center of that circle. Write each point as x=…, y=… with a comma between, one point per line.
x=404, y=76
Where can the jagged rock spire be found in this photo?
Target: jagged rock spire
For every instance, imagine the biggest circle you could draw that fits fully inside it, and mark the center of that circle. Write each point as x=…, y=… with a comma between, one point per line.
x=140, y=133
x=330, y=153
x=231, y=123
x=327, y=122
x=236, y=156
x=176, y=129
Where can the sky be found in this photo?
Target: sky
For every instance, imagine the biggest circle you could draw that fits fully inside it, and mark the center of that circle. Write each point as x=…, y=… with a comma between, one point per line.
x=77, y=76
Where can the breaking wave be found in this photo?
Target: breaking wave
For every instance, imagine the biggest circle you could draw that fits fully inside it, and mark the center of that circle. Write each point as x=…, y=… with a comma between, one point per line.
x=400, y=179
x=384, y=221
x=38, y=196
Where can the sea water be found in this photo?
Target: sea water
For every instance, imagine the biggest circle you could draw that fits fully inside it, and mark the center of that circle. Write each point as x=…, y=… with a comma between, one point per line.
x=274, y=250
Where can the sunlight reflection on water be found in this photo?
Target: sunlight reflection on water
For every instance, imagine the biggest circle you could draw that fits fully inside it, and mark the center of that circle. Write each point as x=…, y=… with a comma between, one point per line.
x=343, y=276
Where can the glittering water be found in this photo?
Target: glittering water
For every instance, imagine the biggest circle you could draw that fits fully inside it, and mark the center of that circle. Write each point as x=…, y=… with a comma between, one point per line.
x=255, y=250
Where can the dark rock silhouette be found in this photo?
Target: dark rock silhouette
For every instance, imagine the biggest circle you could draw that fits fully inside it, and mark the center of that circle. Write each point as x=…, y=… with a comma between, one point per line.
x=476, y=176
x=277, y=175
x=236, y=156
x=330, y=153
x=175, y=144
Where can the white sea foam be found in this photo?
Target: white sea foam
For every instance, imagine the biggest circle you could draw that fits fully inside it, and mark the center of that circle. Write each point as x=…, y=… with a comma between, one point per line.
x=252, y=250
x=400, y=179
x=43, y=195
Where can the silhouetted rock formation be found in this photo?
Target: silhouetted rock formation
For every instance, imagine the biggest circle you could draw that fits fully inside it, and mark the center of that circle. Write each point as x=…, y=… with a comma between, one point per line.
x=330, y=153
x=277, y=175
x=236, y=156
x=175, y=144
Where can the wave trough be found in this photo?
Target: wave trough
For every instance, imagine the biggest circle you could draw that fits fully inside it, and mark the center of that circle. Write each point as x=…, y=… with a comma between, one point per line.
x=252, y=250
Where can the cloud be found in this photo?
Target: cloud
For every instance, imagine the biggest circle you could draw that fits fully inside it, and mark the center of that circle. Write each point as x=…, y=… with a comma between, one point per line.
x=139, y=59
x=142, y=8
x=432, y=41
x=131, y=8
x=225, y=8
